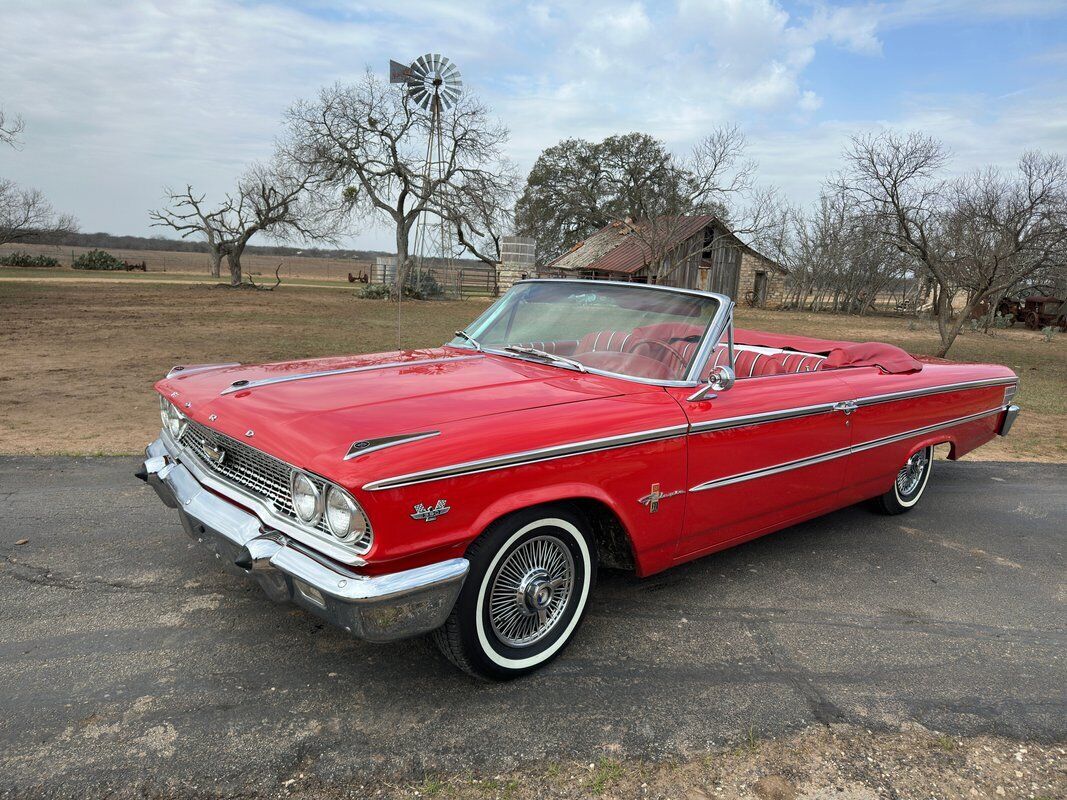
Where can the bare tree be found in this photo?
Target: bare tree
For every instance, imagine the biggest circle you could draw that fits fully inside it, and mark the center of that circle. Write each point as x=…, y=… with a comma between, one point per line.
x=714, y=179
x=186, y=214
x=368, y=141
x=26, y=215
x=10, y=128
x=839, y=259
x=268, y=200
x=480, y=211
x=977, y=236
x=274, y=201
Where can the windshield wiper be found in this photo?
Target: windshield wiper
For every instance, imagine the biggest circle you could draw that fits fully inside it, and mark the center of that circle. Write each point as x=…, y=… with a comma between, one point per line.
x=533, y=351
x=469, y=338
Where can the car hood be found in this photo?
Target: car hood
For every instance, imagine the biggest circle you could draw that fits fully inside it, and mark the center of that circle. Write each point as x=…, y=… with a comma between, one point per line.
x=310, y=412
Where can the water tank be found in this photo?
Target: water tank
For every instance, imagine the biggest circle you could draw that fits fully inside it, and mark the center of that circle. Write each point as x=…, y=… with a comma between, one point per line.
x=518, y=250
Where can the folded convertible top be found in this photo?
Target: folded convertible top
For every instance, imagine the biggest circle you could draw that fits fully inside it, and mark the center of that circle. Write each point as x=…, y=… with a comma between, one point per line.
x=887, y=357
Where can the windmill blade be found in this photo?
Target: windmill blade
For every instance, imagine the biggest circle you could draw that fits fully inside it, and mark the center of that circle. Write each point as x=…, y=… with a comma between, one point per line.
x=433, y=82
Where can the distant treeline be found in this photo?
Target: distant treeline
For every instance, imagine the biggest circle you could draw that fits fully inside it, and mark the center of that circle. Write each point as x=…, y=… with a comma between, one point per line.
x=104, y=241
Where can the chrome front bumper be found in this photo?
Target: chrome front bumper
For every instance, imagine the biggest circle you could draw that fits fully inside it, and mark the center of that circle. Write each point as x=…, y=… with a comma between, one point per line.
x=378, y=608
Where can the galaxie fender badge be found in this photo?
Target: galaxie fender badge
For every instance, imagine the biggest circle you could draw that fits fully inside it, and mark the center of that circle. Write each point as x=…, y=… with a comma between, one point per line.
x=430, y=514
x=653, y=497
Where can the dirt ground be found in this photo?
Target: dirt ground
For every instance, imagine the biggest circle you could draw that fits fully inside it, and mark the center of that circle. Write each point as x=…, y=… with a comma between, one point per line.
x=80, y=358
x=839, y=762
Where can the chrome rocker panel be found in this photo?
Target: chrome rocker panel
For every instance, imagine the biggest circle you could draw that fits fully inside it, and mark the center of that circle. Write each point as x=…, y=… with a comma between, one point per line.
x=377, y=608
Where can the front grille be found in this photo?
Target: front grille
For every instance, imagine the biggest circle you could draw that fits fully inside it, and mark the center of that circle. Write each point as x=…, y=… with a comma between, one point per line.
x=253, y=470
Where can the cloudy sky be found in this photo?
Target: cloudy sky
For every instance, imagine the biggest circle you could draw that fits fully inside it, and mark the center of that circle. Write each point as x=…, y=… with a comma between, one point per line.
x=122, y=98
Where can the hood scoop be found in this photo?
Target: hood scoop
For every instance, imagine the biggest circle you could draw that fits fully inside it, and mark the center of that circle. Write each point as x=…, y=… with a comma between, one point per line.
x=364, y=446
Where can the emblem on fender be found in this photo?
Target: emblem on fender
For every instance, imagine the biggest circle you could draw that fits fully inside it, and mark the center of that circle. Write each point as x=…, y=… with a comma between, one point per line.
x=430, y=514
x=655, y=495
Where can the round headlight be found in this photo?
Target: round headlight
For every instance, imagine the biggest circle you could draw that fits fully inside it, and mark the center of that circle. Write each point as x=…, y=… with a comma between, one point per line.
x=306, y=498
x=344, y=516
x=173, y=419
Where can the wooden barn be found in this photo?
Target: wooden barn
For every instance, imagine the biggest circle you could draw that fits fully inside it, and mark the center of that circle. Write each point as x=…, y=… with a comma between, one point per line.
x=695, y=252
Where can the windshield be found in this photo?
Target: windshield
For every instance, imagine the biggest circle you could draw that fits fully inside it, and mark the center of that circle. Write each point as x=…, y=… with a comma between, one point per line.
x=632, y=330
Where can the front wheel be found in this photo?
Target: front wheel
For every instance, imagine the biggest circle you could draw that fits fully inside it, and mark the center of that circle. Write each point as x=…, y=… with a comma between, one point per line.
x=909, y=484
x=529, y=581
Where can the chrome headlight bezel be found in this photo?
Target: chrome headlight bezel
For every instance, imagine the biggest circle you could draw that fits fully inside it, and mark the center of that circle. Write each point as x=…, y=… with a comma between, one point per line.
x=358, y=524
x=174, y=421
x=298, y=478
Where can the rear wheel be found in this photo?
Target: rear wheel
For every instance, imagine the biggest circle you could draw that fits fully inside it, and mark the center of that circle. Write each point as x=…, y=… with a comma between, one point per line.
x=909, y=484
x=525, y=594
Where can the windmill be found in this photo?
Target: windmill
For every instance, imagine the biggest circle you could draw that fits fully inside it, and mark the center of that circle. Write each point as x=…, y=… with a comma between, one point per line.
x=434, y=84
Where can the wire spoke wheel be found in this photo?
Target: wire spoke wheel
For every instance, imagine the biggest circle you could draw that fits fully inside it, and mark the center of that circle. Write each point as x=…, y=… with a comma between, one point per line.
x=530, y=592
x=911, y=474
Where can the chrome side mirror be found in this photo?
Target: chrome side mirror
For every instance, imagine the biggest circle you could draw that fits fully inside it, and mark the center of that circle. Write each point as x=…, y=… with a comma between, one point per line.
x=720, y=379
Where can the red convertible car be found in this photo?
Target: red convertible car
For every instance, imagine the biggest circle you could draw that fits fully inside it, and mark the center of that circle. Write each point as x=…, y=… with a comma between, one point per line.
x=473, y=490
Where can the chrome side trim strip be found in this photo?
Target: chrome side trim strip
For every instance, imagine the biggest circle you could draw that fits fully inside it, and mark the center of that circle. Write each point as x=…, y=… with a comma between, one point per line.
x=805, y=411
x=948, y=387
x=326, y=373
x=757, y=419
x=899, y=437
x=777, y=468
x=255, y=504
x=364, y=446
x=527, y=457
x=844, y=451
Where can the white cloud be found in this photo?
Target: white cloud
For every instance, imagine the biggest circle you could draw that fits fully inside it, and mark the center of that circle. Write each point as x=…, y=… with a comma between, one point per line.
x=128, y=96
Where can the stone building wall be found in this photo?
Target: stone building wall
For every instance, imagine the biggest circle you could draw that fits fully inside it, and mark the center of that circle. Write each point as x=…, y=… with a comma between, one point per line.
x=518, y=260
x=751, y=264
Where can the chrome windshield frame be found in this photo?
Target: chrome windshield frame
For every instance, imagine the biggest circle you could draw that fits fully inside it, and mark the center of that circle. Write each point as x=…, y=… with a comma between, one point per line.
x=721, y=323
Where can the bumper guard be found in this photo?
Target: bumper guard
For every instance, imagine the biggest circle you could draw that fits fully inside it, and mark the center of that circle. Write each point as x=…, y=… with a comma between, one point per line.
x=377, y=608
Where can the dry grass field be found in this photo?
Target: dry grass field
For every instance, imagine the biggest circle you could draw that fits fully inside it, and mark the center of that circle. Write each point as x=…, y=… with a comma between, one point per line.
x=80, y=358
x=170, y=262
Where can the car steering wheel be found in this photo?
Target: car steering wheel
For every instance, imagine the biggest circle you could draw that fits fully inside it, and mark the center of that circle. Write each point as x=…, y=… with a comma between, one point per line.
x=633, y=347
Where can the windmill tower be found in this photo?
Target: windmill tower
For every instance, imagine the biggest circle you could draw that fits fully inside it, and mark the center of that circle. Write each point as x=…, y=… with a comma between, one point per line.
x=434, y=84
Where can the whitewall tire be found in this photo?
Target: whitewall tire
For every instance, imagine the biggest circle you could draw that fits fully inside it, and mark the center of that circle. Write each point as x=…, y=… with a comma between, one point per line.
x=910, y=483
x=525, y=594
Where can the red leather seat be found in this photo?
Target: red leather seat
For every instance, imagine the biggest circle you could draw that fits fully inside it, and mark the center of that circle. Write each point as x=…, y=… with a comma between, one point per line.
x=800, y=362
x=604, y=342
x=749, y=364
x=563, y=347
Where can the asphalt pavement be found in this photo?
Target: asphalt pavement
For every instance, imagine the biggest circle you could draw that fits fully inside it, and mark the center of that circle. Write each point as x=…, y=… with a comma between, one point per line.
x=131, y=663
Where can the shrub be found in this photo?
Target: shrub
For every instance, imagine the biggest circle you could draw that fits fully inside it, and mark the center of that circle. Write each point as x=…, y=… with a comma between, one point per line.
x=26, y=260
x=373, y=291
x=98, y=259
x=422, y=286
x=1050, y=332
x=416, y=287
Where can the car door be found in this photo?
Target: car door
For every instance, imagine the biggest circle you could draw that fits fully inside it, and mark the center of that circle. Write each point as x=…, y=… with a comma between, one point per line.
x=767, y=451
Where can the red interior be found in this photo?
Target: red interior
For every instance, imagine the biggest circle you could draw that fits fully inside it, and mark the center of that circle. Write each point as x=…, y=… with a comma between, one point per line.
x=661, y=351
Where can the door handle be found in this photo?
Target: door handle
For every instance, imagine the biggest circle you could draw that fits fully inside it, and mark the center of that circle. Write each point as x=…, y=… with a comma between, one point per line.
x=847, y=406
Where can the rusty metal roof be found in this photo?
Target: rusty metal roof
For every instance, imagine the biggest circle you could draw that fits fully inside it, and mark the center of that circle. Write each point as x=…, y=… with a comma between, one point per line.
x=617, y=249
